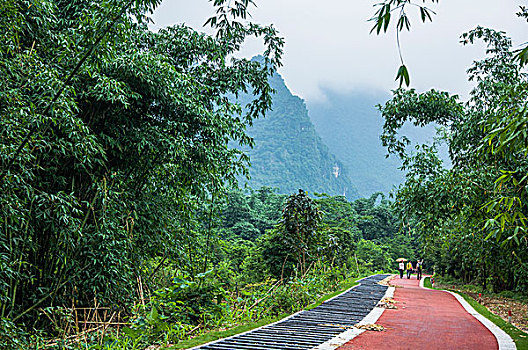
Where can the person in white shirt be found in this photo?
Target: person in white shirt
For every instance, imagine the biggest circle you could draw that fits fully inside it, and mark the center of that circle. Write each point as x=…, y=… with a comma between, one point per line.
x=401, y=267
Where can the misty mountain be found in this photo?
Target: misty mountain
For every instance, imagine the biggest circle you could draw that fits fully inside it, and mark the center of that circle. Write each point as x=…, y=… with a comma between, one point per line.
x=350, y=124
x=289, y=154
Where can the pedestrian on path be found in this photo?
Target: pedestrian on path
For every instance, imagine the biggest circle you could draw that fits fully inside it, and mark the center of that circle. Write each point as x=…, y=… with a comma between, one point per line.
x=409, y=269
x=401, y=267
x=419, y=264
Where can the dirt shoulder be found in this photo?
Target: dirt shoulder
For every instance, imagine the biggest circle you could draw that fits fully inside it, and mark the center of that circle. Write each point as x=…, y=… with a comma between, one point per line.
x=499, y=306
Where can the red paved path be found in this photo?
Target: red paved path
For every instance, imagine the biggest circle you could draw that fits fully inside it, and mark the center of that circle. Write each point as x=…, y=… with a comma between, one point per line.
x=425, y=319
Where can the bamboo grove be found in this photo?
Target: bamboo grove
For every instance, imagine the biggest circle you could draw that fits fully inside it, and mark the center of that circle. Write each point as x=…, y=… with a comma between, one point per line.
x=111, y=135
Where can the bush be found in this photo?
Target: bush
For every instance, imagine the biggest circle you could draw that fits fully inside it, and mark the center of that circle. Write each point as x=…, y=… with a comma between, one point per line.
x=13, y=336
x=373, y=256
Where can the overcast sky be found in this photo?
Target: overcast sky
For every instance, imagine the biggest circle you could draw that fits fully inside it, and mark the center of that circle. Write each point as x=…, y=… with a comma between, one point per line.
x=328, y=43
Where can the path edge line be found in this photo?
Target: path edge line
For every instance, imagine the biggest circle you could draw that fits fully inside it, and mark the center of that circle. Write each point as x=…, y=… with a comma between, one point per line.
x=503, y=339
x=351, y=333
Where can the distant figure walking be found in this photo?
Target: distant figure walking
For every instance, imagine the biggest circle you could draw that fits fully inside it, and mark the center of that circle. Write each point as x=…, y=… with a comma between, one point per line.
x=419, y=264
x=409, y=269
x=401, y=267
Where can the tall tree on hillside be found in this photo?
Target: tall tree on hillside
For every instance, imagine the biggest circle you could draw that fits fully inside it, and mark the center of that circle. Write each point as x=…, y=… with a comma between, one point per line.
x=298, y=227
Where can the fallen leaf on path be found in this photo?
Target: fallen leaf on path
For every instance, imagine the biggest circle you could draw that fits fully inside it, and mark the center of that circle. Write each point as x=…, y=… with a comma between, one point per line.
x=386, y=281
x=389, y=300
x=370, y=327
x=387, y=303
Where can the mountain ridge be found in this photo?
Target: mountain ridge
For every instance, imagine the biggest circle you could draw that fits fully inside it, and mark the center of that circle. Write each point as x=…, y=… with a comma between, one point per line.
x=289, y=154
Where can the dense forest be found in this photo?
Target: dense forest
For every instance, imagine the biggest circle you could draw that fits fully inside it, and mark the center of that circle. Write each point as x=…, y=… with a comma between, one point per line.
x=123, y=223
x=119, y=183
x=470, y=218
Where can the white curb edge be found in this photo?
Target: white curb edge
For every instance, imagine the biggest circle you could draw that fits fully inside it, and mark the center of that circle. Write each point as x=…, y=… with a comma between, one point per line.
x=350, y=334
x=503, y=339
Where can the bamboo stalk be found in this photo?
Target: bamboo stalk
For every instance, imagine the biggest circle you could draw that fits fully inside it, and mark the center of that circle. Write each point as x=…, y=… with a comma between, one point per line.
x=140, y=289
x=266, y=295
x=75, y=336
x=109, y=323
x=76, y=317
x=118, y=323
x=105, y=327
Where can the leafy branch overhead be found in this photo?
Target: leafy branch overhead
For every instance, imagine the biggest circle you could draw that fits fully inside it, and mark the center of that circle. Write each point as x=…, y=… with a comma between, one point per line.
x=399, y=9
x=522, y=53
x=226, y=23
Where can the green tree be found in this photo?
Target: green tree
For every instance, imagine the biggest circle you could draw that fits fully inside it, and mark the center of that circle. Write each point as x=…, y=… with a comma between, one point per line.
x=373, y=256
x=298, y=228
x=111, y=137
x=339, y=229
x=456, y=211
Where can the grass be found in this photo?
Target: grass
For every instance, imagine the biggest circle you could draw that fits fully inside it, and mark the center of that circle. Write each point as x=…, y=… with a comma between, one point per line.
x=427, y=283
x=215, y=335
x=519, y=337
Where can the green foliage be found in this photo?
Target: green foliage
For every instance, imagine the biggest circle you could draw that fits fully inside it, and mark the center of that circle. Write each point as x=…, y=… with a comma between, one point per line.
x=249, y=216
x=376, y=222
x=504, y=129
x=219, y=334
x=373, y=257
x=14, y=337
x=456, y=212
x=420, y=109
x=382, y=19
x=110, y=143
x=173, y=312
x=116, y=153
x=250, y=280
x=518, y=336
x=343, y=224
x=427, y=283
x=298, y=228
x=188, y=301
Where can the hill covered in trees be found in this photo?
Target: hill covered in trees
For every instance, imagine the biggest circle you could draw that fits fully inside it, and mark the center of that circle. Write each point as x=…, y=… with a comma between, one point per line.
x=289, y=154
x=122, y=226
